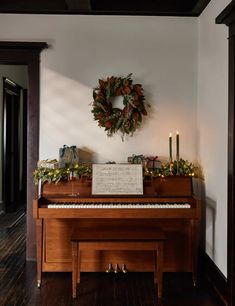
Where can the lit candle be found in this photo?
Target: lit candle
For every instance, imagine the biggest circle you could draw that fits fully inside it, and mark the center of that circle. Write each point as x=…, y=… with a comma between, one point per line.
x=170, y=147
x=177, y=146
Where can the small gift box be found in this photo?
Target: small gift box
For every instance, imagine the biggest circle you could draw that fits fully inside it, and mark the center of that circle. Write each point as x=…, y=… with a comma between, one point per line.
x=68, y=156
x=136, y=159
x=153, y=162
x=48, y=163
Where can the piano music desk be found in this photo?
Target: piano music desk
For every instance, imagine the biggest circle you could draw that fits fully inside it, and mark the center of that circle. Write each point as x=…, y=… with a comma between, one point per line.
x=116, y=239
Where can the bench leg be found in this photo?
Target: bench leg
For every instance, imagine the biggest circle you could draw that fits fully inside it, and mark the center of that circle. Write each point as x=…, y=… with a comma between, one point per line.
x=78, y=264
x=155, y=266
x=158, y=269
x=74, y=268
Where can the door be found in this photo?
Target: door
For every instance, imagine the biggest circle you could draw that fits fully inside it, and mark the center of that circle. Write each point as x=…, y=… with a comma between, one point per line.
x=14, y=143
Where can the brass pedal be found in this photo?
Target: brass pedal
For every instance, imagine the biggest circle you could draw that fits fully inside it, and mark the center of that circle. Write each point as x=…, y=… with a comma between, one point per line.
x=117, y=269
x=110, y=269
x=124, y=269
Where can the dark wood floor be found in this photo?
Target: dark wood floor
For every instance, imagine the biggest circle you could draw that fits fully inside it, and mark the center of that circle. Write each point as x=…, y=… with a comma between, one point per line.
x=18, y=283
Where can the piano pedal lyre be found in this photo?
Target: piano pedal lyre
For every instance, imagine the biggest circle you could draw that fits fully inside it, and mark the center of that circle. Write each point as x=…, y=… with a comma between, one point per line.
x=117, y=269
x=124, y=269
x=110, y=269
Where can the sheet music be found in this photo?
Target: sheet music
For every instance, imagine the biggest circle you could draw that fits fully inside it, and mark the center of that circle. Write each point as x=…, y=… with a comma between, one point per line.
x=117, y=179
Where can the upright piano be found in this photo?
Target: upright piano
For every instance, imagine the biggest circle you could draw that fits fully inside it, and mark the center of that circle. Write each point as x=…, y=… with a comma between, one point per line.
x=168, y=203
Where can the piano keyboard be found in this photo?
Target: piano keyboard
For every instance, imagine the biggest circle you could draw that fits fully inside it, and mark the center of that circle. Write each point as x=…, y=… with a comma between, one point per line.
x=119, y=206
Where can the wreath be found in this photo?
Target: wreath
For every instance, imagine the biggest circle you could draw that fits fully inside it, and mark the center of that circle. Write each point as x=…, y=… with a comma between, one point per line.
x=114, y=119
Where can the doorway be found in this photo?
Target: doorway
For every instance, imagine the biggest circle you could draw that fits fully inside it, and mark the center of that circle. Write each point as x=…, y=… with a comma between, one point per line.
x=28, y=54
x=14, y=146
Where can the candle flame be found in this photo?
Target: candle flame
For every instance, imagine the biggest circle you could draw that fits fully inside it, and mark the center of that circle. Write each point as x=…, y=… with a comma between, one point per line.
x=170, y=135
x=177, y=132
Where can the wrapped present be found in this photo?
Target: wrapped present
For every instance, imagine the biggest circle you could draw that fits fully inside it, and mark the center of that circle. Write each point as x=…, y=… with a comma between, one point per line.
x=153, y=162
x=68, y=156
x=48, y=163
x=136, y=159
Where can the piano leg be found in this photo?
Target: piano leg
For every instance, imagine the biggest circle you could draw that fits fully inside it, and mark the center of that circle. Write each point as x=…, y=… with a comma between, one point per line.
x=39, y=227
x=195, y=226
x=76, y=264
x=74, y=268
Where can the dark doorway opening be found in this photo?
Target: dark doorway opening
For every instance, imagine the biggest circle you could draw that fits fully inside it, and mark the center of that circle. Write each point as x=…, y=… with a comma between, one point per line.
x=14, y=145
x=28, y=54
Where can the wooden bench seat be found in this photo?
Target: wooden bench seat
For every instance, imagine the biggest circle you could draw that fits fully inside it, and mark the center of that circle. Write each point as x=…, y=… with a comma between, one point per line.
x=117, y=239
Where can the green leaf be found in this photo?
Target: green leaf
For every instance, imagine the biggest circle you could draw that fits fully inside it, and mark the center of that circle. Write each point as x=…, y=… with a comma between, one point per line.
x=94, y=94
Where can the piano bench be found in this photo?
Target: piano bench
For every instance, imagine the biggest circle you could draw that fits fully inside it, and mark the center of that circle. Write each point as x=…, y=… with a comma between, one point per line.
x=114, y=239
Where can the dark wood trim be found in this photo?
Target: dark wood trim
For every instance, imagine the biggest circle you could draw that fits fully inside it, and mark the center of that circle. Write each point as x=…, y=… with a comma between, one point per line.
x=115, y=13
x=88, y=7
x=84, y=5
x=199, y=7
x=228, y=17
x=101, y=12
x=21, y=45
x=28, y=53
x=231, y=171
x=213, y=277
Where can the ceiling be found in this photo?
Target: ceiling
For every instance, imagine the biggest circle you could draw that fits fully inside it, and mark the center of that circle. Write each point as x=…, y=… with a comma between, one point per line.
x=106, y=7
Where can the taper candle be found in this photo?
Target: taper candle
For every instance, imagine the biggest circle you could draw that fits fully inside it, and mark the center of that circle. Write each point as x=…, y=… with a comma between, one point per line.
x=170, y=147
x=177, y=146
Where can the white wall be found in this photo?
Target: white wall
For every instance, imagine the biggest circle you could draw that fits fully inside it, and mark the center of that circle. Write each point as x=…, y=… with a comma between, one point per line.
x=19, y=75
x=179, y=71
x=213, y=128
x=161, y=53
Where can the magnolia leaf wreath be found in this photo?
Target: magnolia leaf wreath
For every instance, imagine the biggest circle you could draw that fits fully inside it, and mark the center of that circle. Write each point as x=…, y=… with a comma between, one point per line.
x=114, y=119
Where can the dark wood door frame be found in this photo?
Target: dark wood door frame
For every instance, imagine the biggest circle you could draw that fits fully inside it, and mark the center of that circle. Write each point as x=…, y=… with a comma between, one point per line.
x=228, y=17
x=28, y=53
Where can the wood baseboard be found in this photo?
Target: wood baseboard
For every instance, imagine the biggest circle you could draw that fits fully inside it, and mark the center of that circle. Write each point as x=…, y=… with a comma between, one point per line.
x=210, y=273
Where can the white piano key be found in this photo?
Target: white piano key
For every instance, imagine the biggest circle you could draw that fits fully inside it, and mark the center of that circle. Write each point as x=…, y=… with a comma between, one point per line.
x=120, y=205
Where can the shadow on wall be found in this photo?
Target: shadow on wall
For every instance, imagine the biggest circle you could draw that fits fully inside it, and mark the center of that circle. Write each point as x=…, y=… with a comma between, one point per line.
x=207, y=237
x=210, y=215
x=86, y=155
